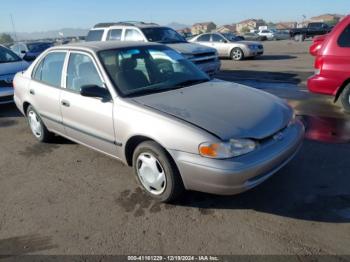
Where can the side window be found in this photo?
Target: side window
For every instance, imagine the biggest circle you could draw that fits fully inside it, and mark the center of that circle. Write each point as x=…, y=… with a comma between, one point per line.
x=344, y=38
x=132, y=35
x=15, y=49
x=115, y=34
x=218, y=38
x=81, y=72
x=49, y=71
x=204, y=38
x=94, y=35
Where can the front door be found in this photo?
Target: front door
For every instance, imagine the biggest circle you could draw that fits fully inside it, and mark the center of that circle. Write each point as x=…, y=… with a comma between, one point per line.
x=87, y=120
x=220, y=44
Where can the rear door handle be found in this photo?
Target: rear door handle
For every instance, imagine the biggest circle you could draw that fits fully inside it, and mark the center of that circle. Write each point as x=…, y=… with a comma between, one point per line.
x=65, y=103
x=31, y=91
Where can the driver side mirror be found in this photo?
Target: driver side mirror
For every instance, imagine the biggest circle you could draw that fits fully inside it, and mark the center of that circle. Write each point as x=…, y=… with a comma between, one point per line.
x=95, y=91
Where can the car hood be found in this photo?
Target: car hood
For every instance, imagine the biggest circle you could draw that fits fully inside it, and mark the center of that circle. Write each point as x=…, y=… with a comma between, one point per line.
x=191, y=48
x=227, y=110
x=13, y=67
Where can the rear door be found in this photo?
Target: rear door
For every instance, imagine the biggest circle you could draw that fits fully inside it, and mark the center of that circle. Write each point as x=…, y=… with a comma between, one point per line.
x=45, y=89
x=87, y=120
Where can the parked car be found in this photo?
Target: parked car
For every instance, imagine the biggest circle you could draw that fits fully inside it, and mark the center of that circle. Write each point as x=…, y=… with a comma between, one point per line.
x=317, y=44
x=10, y=64
x=233, y=37
x=332, y=65
x=269, y=34
x=254, y=37
x=148, y=106
x=312, y=29
x=29, y=51
x=204, y=57
x=272, y=34
x=236, y=50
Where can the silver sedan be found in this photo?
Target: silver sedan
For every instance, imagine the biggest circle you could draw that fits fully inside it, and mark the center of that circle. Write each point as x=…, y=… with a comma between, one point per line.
x=229, y=45
x=149, y=107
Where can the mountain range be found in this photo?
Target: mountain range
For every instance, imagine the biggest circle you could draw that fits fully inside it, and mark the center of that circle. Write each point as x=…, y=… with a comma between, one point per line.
x=69, y=32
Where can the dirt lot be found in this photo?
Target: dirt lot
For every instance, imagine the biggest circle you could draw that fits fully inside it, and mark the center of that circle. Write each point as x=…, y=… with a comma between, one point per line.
x=63, y=198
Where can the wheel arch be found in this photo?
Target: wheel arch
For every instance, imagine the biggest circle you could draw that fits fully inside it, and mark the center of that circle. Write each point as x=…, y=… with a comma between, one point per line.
x=132, y=144
x=25, y=107
x=341, y=89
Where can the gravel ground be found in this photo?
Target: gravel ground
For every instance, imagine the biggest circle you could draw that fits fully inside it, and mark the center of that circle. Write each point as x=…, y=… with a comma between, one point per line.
x=63, y=198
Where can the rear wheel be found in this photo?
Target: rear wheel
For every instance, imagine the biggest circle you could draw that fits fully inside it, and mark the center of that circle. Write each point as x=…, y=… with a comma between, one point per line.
x=156, y=172
x=345, y=98
x=237, y=54
x=37, y=126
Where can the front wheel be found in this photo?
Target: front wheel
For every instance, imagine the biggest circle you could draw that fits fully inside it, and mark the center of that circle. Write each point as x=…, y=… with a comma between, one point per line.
x=237, y=54
x=345, y=98
x=156, y=172
x=37, y=126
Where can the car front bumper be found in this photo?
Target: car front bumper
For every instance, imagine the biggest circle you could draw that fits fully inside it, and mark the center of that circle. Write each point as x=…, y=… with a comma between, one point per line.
x=252, y=53
x=234, y=176
x=6, y=95
x=210, y=67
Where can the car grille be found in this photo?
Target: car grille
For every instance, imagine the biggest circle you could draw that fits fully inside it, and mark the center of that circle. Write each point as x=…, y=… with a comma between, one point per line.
x=6, y=98
x=4, y=83
x=204, y=58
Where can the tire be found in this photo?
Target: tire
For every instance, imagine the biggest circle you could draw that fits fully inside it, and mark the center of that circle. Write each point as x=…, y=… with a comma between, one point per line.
x=345, y=98
x=150, y=160
x=37, y=126
x=237, y=54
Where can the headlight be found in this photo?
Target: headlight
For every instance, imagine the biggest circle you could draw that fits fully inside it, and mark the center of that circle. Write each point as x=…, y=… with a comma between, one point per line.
x=224, y=150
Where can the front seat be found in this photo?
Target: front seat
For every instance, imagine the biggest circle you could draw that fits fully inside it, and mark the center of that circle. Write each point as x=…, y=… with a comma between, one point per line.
x=129, y=78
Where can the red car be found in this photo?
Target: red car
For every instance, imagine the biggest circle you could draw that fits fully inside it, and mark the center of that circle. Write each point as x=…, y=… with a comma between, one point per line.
x=332, y=64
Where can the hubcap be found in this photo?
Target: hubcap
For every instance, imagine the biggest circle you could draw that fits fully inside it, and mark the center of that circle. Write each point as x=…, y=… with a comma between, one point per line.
x=151, y=173
x=35, y=124
x=237, y=55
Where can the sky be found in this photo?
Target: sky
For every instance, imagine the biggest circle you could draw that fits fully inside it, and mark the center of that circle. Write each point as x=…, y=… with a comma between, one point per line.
x=43, y=15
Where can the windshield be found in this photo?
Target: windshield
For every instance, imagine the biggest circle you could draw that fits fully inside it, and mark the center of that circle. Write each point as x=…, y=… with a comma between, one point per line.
x=38, y=47
x=143, y=70
x=7, y=56
x=163, y=35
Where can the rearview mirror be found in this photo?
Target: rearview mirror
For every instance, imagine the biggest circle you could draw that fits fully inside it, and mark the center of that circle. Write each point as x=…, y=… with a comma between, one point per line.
x=95, y=91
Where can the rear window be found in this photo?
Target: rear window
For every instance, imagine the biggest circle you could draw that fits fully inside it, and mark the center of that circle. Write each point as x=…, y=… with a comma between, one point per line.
x=344, y=39
x=94, y=35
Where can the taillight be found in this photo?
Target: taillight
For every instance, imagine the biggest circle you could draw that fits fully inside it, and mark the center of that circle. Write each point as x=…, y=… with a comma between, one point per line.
x=318, y=65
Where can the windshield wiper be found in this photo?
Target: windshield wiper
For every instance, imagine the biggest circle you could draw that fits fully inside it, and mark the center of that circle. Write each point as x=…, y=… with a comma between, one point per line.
x=191, y=82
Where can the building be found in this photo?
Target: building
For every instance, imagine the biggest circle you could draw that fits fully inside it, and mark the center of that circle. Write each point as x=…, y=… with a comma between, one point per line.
x=227, y=29
x=185, y=32
x=286, y=25
x=327, y=18
x=200, y=28
x=250, y=24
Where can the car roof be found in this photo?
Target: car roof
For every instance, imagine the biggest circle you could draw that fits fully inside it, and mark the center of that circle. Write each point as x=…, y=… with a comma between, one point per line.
x=100, y=46
x=125, y=24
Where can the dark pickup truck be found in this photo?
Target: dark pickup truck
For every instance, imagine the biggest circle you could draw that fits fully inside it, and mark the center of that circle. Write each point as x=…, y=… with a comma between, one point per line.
x=312, y=29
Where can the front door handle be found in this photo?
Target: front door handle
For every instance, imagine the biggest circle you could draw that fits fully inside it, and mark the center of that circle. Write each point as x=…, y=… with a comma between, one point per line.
x=32, y=92
x=65, y=103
